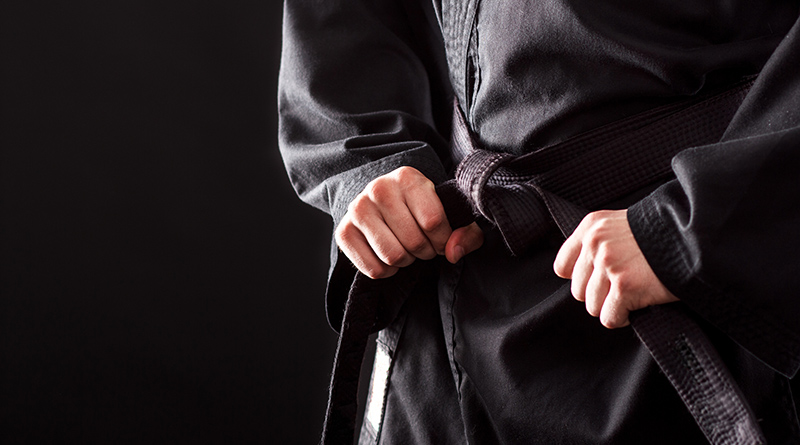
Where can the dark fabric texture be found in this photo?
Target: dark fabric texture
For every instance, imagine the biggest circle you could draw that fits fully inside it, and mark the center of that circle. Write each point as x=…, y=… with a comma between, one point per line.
x=681, y=349
x=525, y=195
x=343, y=122
x=727, y=227
x=423, y=377
x=366, y=87
x=533, y=368
x=512, y=193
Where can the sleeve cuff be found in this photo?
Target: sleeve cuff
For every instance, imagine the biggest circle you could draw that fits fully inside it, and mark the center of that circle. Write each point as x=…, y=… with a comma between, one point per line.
x=655, y=224
x=342, y=189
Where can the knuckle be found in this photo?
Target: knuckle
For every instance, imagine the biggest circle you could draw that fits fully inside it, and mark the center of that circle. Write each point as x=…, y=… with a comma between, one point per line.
x=418, y=245
x=431, y=221
x=425, y=253
x=594, y=236
x=377, y=271
x=407, y=174
x=378, y=190
x=410, y=178
x=604, y=226
x=602, y=216
x=373, y=272
x=395, y=257
x=592, y=218
x=344, y=234
x=623, y=283
x=598, y=226
x=359, y=205
x=603, y=256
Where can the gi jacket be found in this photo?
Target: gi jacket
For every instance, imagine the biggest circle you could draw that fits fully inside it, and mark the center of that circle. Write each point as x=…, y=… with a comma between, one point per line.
x=367, y=87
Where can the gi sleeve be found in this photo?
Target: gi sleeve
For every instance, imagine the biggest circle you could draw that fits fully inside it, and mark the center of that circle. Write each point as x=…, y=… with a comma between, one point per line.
x=724, y=236
x=362, y=91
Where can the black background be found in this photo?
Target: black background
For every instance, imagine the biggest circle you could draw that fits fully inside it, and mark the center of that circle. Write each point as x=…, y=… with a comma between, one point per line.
x=160, y=281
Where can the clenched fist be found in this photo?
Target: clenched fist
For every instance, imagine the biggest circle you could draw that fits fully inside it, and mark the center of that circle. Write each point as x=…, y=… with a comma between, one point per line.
x=397, y=219
x=608, y=270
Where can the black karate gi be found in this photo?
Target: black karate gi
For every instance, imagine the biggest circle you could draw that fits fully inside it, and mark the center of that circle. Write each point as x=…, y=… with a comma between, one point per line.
x=494, y=349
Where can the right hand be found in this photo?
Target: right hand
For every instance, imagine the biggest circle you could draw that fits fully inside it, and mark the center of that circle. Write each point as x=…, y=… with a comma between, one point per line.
x=397, y=219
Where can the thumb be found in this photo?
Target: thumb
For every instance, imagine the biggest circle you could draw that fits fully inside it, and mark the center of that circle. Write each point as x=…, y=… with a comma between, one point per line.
x=463, y=241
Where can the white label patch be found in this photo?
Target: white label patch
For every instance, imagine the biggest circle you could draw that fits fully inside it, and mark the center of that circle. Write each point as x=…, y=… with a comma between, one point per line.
x=377, y=392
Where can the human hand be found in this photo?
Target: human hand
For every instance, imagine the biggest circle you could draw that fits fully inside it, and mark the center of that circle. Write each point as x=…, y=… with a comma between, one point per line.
x=397, y=219
x=608, y=270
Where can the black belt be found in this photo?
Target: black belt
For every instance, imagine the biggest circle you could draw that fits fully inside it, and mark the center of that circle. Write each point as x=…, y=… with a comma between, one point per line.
x=524, y=197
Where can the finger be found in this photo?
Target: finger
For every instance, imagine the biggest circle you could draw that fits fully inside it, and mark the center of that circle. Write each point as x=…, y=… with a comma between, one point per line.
x=428, y=211
x=614, y=313
x=387, y=195
x=357, y=249
x=463, y=241
x=369, y=221
x=569, y=251
x=403, y=225
x=596, y=291
x=581, y=273
x=567, y=256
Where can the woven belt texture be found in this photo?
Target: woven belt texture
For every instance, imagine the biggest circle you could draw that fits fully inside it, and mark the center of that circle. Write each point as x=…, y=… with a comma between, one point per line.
x=525, y=197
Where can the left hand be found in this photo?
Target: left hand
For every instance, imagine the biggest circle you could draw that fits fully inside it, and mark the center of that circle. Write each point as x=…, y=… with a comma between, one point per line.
x=608, y=270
